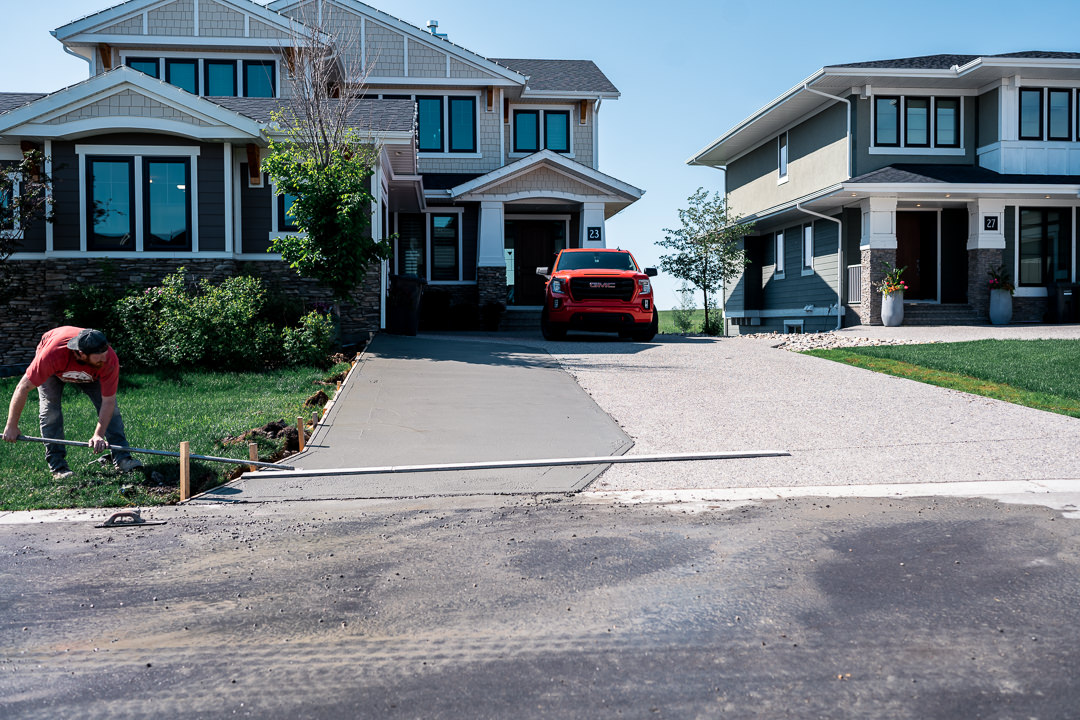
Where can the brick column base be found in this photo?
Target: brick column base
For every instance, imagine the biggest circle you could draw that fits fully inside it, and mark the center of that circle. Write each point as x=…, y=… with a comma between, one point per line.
x=491, y=282
x=980, y=262
x=873, y=272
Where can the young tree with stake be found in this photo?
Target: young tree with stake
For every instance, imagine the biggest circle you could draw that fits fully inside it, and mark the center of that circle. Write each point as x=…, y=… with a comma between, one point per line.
x=705, y=249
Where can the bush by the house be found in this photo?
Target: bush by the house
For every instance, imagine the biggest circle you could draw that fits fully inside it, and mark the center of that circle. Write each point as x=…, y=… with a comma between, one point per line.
x=221, y=326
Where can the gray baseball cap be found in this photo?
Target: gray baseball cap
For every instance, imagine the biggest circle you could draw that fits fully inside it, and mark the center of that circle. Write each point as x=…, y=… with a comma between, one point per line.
x=90, y=342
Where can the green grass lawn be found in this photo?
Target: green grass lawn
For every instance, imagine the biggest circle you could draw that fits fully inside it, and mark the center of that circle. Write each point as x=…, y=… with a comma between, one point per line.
x=667, y=321
x=1043, y=374
x=160, y=410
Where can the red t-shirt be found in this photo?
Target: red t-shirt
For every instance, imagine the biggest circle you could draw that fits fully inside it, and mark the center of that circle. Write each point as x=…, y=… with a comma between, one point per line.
x=55, y=358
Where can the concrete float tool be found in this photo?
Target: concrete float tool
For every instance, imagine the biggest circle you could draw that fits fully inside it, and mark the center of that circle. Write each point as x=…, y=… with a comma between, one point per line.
x=166, y=453
x=511, y=464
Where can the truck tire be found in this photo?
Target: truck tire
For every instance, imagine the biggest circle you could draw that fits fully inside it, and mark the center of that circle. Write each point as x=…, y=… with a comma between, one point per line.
x=649, y=332
x=550, y=330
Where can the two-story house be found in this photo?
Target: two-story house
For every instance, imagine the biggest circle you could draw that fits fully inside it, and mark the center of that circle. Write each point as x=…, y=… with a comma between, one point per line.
x=948, y=165
x=486, y=167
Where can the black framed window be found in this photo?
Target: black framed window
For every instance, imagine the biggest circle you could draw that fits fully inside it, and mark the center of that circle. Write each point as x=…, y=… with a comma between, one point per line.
x=808, y=247
x=557, y=130
x=782, y=154
x=166, y=203
x=219, y=78
x=445, y=258
x=260, y=78
x=917, y=122
x=1031, y=114
x=110, y=207
x=286, y=222
x=149, y=66
x=947, y=122
x=1045, y=246
x=1059, y=114
x=411, y=245
x=429, y=115
x=462, y=124
x=779, y=253
x=887, y=121
x=526, y=131
x=7, y=218
x=184, y=74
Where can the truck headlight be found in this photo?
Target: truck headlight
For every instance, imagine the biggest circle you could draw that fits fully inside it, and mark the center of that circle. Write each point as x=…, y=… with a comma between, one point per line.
x=644, y=287
x=558, y=286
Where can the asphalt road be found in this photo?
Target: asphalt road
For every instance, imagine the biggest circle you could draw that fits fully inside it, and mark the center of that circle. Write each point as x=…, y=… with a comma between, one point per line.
x=547, y=607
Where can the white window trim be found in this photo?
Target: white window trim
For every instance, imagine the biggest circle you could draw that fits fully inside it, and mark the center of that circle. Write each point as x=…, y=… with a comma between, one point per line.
x=477, y=97
x=902, y=148
x=783, y=157
x=789, y=324
x=274, y=231
x=808, y=267
x=542, y=130
x=138, y=152
x=779, y=250
x=460, y=212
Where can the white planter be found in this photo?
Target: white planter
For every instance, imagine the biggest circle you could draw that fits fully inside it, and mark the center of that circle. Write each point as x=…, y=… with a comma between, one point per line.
x=892, y=309
x=1000, y=307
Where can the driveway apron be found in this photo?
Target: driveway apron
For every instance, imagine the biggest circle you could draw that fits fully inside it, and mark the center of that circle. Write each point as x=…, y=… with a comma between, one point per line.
x=419, y=401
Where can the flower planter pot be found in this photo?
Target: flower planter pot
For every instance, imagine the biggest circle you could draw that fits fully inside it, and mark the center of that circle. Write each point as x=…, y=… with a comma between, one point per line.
x=1000, y=307
x=892, y=309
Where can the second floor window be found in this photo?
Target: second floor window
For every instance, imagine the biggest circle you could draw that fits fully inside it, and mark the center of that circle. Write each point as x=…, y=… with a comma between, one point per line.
x=184, y=74
x=445, y=124
x=541, y=129
x=782, y=154
x=916, y=122
x=1046, y=114
x=212, y=77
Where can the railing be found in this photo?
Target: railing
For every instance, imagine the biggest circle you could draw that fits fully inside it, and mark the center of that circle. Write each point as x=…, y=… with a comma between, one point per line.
x=854, y=284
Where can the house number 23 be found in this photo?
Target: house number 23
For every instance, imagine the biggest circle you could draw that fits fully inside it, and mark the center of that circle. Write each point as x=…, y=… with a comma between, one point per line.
x=594, y=234
x=990, y=223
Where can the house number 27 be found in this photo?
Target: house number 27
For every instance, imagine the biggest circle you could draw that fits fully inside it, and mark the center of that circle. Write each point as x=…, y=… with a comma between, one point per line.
x=990, y=223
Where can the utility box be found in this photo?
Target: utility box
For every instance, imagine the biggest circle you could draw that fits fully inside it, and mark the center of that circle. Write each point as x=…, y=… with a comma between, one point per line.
x=1064, y=303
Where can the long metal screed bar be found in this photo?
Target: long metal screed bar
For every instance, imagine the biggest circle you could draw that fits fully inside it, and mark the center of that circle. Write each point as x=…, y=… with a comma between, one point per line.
x=166, y=453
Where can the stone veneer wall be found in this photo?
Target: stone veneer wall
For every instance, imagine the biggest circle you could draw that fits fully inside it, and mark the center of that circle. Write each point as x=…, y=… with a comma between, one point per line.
x=872, y=275
x=980, y=262
x=492, y=284
x=23, y=320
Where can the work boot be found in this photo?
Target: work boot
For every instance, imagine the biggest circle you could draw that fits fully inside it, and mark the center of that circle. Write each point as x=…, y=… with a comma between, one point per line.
x=62, y=473
x=127, y=464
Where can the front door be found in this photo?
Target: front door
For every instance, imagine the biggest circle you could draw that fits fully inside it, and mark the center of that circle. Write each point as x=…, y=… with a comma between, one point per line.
x=916, y=249
x=531, y=244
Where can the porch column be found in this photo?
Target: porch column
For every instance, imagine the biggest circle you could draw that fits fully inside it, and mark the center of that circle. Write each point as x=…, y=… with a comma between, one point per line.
x=986, y=249
x=592, y=225
x=877, y=246
x=491, y=258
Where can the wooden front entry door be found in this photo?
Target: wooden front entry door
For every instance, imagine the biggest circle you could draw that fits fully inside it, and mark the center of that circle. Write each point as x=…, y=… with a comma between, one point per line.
x=535, y=244
x=917, y=250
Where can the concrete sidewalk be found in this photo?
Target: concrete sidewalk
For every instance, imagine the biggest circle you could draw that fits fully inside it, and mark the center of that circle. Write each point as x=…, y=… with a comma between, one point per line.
x=419, y=400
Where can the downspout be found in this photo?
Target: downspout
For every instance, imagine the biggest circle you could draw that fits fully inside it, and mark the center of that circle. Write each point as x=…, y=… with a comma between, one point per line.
x=839, y=261
x=839, y=224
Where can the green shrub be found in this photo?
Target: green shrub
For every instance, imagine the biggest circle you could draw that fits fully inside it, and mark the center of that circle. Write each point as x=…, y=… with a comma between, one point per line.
x=311, y=343
x=684, y=314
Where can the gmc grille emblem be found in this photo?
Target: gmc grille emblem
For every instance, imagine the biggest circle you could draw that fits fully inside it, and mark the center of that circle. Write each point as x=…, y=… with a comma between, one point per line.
x=602, y=285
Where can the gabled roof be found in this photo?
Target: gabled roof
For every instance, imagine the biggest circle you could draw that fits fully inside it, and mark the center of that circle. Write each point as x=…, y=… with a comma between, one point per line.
x=441, y=44
x=835, y=82
x=562, y=77
x=54, y=115
x=13, y=101
x=110, y=16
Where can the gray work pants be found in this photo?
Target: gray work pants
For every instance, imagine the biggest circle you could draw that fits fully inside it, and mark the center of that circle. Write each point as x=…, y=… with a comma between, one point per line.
x=52, y=420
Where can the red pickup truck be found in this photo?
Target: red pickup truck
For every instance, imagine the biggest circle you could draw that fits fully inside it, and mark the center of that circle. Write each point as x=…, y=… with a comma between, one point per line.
x=605, y=290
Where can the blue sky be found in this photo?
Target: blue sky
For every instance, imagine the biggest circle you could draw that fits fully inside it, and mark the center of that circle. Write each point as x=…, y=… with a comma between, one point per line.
x=688, y=69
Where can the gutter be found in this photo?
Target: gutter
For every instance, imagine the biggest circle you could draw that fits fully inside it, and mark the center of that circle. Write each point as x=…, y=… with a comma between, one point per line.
x=839, y=261
x=806, y=86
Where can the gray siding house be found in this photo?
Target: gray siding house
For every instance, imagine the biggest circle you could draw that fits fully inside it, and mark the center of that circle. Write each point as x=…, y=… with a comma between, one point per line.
x=949, y=165
x=486, y=167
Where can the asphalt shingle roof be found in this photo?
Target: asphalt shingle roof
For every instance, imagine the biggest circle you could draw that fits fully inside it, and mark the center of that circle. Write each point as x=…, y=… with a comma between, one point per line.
x=560, y=75
x=14, y=101
x=375, y=115
x=959, y=174
x=945, y=61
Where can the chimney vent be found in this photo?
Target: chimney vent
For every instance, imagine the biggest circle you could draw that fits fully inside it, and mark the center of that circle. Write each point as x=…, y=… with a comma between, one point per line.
x=433, y=28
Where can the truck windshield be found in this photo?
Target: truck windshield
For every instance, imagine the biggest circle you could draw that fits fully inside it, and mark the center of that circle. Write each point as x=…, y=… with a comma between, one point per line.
x=596, y=261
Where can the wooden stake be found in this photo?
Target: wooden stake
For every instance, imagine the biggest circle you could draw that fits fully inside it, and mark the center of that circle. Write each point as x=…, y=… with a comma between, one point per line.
x=338, y=387
x=300, y=432
x=185, y=470
x=253, y=455
x=314, y=419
